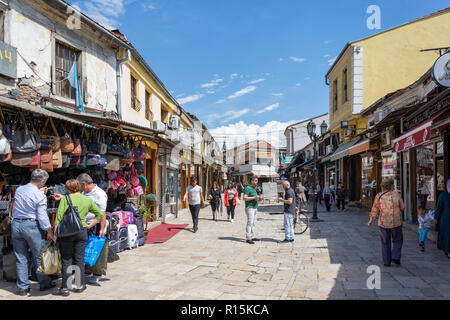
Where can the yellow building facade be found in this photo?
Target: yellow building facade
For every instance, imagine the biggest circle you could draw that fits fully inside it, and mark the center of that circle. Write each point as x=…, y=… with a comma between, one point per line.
x=370, y=68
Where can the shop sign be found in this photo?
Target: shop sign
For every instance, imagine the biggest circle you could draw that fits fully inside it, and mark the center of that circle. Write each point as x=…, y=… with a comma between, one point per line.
x=441, y=70
x=413, y=139
x=8, y=60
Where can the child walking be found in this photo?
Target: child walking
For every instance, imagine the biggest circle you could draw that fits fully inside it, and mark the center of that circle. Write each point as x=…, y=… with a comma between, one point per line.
x=425, y=223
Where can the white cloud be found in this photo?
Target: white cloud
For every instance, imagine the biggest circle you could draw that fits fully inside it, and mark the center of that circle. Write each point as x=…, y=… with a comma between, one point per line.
x=180, y=95
x=148, y=6
x=104, y=12
x=234, y=75
x=192, y=98
x=221, y=101
x=210, y=91
x=239, y=133
x=295, y=59
x=278, y=94
x=242, y=92
x=327, y=55
x=227, y=116
x=213, y=83
x=257, y=81
x=331, y=61
x=269, y=108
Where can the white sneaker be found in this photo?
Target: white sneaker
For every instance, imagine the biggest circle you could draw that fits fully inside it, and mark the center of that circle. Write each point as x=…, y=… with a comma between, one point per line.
x=232, y=220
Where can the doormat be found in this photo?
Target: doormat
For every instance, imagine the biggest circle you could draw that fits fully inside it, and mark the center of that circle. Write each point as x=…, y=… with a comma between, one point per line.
x=164, y=232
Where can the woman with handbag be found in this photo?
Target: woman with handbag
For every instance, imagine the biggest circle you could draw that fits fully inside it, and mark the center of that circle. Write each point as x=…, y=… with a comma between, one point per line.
x=231, y=200
x=388, y=206
x=72, y=247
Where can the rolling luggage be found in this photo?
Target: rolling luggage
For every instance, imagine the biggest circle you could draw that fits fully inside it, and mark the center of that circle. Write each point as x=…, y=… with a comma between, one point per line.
x=139, y=222
x=114, y=241
x=123, y=238
x=132, y=236
x=130, y=216
x=121, y=217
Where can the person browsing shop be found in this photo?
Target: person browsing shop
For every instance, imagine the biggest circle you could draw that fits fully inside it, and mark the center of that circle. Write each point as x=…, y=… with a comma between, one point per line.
x=289, y=211
x=30, y=228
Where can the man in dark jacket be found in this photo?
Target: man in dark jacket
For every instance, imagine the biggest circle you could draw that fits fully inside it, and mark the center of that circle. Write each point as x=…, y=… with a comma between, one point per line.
x=340, y=196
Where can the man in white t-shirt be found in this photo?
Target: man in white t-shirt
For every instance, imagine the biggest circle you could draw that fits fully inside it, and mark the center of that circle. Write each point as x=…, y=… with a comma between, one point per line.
x=100, y=198
x=194, y=193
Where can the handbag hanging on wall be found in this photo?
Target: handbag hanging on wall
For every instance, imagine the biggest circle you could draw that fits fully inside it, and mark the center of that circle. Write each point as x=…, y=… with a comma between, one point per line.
x=102, y=146
x=139, y=152
x=22, y=141
x=54, y=139
x=67, y=145
x=47, y=160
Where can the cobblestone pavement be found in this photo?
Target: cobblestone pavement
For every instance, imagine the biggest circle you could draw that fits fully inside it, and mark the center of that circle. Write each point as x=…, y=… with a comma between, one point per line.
x=329, y=261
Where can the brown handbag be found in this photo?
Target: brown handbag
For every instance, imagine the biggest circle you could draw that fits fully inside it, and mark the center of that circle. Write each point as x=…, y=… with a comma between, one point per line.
x=77, y=148
x=47, y=160
x=55, y=140
x=57, y=159
x=22, y=159
x=67, y=145
x=35, y=160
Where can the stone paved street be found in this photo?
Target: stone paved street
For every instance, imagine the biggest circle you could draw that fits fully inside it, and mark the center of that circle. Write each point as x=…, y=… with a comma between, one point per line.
x=327, y=262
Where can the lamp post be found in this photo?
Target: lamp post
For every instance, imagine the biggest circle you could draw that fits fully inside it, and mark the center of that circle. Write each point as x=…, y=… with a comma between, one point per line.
x=311, y=127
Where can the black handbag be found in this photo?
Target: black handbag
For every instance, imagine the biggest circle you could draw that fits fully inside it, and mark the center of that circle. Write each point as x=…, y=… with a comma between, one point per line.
x=66, y=159
x=71, y=224
x=22, y=141
x=114, y=146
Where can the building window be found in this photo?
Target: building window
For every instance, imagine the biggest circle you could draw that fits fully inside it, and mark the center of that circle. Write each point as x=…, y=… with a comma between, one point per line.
x=148, y=108
x=335, y=95
x=344, y=86
x=64, y=58
x=134, y=91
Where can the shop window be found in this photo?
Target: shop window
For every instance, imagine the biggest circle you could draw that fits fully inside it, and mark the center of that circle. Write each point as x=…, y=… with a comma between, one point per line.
x=425, y=176
x=65, y=57
x=368, y=181
x=148, y=108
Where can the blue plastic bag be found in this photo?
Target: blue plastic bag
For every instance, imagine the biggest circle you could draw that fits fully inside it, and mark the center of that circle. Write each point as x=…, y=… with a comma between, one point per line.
x=94, y=247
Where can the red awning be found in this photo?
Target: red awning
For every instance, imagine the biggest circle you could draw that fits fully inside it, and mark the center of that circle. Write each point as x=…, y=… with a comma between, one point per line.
x=417, y=135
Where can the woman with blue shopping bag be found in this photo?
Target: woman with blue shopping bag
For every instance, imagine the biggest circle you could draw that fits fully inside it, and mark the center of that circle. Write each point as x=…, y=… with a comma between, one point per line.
x=73, y=245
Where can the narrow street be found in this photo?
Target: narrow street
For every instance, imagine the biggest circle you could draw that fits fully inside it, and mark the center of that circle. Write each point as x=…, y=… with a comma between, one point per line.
x=329, y=261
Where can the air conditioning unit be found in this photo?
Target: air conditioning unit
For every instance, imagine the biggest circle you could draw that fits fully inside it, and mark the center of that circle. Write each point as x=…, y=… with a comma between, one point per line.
x=174, y=122
x=386, y=138
x=159, y=126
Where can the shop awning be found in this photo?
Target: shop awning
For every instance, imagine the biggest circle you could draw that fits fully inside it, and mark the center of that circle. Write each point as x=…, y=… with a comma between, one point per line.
x=393, y=117
x=8, y=102
x=417, y=135
x=359, y=147
x=343, y=150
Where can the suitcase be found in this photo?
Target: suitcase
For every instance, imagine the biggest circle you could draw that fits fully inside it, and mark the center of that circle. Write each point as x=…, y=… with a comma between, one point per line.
x=132, y=236
x=121, y=217
x=139, y=222
x=130, y=217
x=113, y=221
x=123, y=238
x=114, y=240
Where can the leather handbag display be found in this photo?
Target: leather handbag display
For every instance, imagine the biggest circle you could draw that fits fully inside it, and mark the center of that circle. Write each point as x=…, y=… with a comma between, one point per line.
x=114, y=146
x=47, y=160
x=103, y=162
x=139, y=153
x=35, y=160
x=102, y=146
x=113, y=163
x=93, y=159
x=67, y=145
x=77, y=150
x=22, y=141
x=134, y=178
x=66, y=159
x=57, y=159
x=82, y=164
x=75, y=160
x=54, y=139
x=21, y=159
x=71, y=223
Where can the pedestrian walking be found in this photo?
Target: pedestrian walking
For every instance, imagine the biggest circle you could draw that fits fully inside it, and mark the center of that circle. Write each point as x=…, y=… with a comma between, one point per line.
x=300, y=192
x=194, y=193
x=251, y=198
x=307, y=193
x=215, y=198
x=240, y=189
x=425, y=223
x=327, y=196
x=340, y=196
x=231, y=200
x=30, y=228
x=289, y=212
x=442, y=216
x=387, y=207
x=319, y=192
x=73, y=247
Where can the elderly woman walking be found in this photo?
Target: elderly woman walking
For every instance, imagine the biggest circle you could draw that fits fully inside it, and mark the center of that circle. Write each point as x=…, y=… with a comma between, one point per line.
x=442, y=214
x=388, y=207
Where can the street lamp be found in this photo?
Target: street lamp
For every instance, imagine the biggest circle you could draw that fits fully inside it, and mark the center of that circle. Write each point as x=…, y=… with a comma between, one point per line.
x=311, y=127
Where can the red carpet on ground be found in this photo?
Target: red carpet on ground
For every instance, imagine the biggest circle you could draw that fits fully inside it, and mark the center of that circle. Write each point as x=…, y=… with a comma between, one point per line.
x=164, y=232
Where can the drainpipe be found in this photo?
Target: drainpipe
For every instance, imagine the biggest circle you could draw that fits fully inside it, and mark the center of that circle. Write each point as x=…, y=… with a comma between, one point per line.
x=118, y=77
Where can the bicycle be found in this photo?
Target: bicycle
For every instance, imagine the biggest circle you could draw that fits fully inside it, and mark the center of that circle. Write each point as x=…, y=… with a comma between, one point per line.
x=301, y=219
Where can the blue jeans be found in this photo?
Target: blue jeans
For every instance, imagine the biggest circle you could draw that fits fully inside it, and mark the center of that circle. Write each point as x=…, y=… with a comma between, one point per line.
x=26, y=234
x=289, y=226
x=423, y=234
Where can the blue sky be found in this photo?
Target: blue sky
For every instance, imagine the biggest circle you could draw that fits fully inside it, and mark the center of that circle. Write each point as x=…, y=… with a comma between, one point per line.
x=248, y=65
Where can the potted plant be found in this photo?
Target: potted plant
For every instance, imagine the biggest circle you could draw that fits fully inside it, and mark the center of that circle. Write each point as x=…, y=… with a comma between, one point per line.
x=146, y=208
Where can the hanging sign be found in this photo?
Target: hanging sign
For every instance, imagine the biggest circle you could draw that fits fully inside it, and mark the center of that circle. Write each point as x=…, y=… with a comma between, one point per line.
x=441, y=70
x=8, y=60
